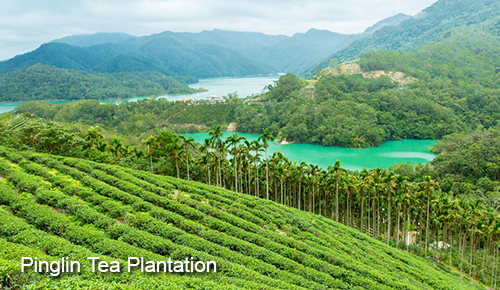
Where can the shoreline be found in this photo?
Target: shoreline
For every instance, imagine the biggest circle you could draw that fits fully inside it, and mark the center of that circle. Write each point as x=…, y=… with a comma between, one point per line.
x=100, y=100
x=283, y=142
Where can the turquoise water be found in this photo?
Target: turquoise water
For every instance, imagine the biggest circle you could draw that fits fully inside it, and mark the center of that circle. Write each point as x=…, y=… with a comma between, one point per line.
x=244, y=86
x=7, y=107
x=353, y=159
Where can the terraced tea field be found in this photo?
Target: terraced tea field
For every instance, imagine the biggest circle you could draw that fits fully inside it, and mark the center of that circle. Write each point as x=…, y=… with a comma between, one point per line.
x=53, y=207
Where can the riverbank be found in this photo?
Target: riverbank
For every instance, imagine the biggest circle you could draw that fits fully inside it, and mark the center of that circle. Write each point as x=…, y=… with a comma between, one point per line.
x=197, y=91
x=388, y=153
x=284, y=142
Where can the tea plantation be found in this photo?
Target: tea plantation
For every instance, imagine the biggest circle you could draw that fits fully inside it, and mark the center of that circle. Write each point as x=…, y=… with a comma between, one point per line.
x=53, y=207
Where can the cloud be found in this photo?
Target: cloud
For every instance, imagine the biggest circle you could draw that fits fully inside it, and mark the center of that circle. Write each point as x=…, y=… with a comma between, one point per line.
x=25, y=24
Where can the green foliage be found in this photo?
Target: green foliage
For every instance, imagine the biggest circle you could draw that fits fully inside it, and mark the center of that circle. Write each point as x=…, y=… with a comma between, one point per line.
x=42, y=82
x=468, y=165
x=143, y=118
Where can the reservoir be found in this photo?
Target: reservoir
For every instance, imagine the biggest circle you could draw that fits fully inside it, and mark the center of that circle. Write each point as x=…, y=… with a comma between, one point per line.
x=353, y=159
x=243, y=86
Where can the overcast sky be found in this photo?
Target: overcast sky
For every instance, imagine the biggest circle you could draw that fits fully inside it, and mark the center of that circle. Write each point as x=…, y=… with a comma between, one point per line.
x=25, y=24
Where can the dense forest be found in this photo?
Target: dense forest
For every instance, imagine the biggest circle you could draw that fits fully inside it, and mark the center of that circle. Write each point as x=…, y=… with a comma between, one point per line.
x=42, y=82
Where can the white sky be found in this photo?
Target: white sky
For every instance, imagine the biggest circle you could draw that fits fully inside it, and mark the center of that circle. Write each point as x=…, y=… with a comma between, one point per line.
x=25, y=24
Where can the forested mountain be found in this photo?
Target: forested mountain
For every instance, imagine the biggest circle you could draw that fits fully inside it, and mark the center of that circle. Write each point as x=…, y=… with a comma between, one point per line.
x=432, y=24
x=164, y=55
x=42, y=82
x=94, y=39
x=205, y=54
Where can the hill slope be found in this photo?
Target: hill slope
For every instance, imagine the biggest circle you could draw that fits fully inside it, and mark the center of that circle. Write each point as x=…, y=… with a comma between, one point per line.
x=431, y=25
x=76, y=208
x=42, y=82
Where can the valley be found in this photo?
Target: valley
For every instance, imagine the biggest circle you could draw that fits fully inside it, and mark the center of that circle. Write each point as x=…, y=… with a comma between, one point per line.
x=309, y=160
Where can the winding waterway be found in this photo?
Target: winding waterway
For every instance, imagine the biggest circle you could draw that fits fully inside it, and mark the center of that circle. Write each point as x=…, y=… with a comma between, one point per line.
x=353, y=159
x=243, y=86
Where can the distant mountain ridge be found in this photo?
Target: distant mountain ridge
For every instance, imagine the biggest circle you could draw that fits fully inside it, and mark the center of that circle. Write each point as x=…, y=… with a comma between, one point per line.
x=85, y=40
x=205, y=54
x=386, y=22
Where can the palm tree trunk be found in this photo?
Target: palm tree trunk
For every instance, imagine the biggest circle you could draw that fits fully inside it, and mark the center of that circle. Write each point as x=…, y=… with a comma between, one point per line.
x=379, y=218
x=362, y=215
x=320, y=209
x=281, y=199
x=267, y=178
x=220, y=174
x=407, y=224
x=389, y=217
x=374, y=209
x=187, y=164
x=177, y=166
x=235, y=174
x=368, y=218
x=348, y=209
x=242, y=190
x=427, y=225
x=336, y=199
x=256, y=181
x=298, y=196
x=209, y=173
x=275, y=190
x=314, y=202
x=398, y=234
x=249, y=183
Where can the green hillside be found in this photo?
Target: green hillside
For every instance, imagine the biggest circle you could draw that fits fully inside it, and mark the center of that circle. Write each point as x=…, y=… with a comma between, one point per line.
x=43, y=82
x=431, y=25
x=56, y=207
x=165, y=55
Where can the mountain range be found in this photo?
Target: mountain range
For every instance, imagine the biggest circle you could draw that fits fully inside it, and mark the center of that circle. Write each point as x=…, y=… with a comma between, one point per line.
x=219, y=53
x=206, y=54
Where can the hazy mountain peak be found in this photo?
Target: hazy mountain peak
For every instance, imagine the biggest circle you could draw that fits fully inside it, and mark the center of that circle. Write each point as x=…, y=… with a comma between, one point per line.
x=393, y=20
x=84, y=40
x=318, y=32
